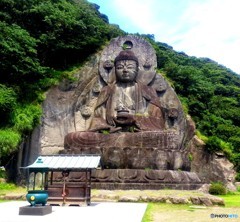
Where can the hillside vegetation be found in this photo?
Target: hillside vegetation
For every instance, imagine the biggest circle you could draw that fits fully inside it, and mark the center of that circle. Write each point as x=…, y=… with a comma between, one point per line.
x=210, y=93
x=41, y=40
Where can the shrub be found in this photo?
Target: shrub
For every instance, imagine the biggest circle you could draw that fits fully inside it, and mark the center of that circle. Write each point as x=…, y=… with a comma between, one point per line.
x=201, y=136
x=25, y=118
x=217, y=188
x=7, y=186
x=9, y=141
x=214, y=144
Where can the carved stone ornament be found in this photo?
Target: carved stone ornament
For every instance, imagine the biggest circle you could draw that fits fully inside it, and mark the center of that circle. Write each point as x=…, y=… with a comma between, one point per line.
x=86, y=111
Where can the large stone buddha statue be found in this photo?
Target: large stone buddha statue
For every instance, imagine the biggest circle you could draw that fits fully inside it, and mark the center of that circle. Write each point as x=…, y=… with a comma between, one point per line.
x=131, y=116
x=127, y=105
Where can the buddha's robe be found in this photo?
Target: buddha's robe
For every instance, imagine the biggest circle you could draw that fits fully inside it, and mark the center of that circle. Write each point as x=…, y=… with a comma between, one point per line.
x=141, y=102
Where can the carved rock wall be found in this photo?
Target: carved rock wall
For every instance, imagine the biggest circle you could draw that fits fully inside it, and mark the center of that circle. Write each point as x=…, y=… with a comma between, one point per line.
x=69, y=106
x=59, y=114
x=211, y=167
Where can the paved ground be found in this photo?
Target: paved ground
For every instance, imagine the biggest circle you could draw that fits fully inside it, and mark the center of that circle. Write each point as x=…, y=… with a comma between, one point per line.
x=96, y=212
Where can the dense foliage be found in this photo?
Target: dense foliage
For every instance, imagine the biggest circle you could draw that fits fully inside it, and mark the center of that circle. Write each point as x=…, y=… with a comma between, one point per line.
x=39, y=39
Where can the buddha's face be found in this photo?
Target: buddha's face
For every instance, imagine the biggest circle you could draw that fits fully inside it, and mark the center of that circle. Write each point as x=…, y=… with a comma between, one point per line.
x=126, y=70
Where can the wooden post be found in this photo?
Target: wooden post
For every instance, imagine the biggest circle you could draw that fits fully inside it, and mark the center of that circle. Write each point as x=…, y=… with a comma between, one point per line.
x=51, y=181
x=46, y=181
x=90, y=175
x=86, y=186
x=34, y=180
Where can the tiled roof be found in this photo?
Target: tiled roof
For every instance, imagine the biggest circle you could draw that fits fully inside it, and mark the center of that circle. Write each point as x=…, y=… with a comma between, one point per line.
x=65, y=162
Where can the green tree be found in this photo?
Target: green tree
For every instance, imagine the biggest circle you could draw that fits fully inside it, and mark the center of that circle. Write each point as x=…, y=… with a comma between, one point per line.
x=9, y=141
x=8, y=102
x=18, y=54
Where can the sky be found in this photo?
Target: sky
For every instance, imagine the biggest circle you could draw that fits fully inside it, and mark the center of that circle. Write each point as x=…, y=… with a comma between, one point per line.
x=201, y=28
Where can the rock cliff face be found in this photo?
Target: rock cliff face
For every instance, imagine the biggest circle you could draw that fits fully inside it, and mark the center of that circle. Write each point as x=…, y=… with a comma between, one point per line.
x=60, y=111
x=211, y=167
x=69, y=106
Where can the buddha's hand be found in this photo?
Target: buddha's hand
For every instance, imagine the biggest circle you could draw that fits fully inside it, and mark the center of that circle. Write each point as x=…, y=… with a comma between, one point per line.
x=124, y=119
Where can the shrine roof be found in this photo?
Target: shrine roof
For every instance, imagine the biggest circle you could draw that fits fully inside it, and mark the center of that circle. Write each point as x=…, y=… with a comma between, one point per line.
x=64, y=162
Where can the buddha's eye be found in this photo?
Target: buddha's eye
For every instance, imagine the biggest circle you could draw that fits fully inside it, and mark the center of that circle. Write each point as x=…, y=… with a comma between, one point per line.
x=130, y=67
x=119, y=67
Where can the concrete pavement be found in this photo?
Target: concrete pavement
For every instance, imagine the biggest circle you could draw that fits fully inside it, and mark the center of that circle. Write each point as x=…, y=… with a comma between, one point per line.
x=96, y=212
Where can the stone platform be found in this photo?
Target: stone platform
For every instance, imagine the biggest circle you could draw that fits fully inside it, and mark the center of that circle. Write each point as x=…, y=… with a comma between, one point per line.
x=123, y=179
x=150, y=149
x=134, y=179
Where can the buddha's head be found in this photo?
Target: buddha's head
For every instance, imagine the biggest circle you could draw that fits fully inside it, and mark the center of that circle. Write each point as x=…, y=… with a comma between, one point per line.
x=126, y=66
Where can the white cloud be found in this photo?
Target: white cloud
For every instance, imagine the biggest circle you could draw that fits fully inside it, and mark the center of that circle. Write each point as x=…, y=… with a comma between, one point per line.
x=138, y=14
x=202, y=28
x=212, y=32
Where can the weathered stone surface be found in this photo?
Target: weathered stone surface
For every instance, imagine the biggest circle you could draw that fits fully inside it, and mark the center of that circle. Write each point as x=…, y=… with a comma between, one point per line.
x=205, y=201
x=217, y=201
x=144, y=176
x=168, y=140
x=128, y=199
x=141, y=150
x=211, y=167
x=178, y=200
x=205, y=188
x=135, y=122
x=144, y=179
x=195, y=200
x=157, y=199
x=61, y=112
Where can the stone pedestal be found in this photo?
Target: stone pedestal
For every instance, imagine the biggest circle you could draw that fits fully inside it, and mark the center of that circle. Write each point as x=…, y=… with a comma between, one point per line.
x=37, y=210
x=143, y=150
x=124, y=179
x=142, y=160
